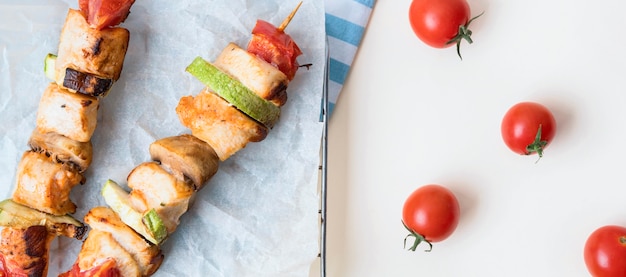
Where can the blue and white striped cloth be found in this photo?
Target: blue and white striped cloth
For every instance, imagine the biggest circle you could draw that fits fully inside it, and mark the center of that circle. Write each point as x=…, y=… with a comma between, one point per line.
x=345, y=24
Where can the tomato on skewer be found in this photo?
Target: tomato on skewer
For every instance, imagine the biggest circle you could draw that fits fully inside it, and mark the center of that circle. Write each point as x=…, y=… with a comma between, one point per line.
x=105, y=13
x=273, y=45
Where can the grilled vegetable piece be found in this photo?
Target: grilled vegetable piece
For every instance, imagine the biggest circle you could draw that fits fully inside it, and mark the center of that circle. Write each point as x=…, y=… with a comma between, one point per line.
x=45, y=185
x=152, y=187
x=256, y=74
x=234, y=92
x=187, y=157
x=77, y=81
x=84, y=49
x=77, y=155
x=275, y=47
x=16, y=215
x=99, y=248
x=102, y=14
x=148, y=225
x=86, y=83
x=49, y=66
x=216, y=122
x=73, y=115
x=105, y=268
x=24, y=252
x=147, y=255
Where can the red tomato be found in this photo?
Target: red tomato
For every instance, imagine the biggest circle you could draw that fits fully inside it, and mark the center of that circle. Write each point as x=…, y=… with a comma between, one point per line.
x=275, y=47
x=107, y=268
x=431, y=213
x=105, y=13
x=441, y=23
x=83, y=5
x=605, y=252
x=528, y=128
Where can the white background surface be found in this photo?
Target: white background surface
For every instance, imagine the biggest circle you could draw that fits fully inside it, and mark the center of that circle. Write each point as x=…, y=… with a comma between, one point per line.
x=411, y=115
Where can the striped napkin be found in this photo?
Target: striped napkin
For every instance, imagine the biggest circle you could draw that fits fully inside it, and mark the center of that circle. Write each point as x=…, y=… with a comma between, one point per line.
x=345, y=24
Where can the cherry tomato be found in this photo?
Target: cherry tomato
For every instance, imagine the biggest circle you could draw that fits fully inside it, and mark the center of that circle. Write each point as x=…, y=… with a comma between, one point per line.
x=275, y=47
x=605, y=252
x=431, y=213
x=107, y=268
x=441, y=23
x=528, y=128
x=105, y=13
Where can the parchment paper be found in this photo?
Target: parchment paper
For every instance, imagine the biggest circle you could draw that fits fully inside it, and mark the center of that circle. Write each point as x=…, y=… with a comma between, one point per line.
x=259, y=214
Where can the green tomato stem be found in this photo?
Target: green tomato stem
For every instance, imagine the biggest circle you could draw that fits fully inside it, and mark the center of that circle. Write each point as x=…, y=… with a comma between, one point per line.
x=464, y=33
x=418, y=239
x=622, y=240
x=537, y=145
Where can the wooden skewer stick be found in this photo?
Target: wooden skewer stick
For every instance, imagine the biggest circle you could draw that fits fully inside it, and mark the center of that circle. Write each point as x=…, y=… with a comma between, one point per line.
x=289, y=17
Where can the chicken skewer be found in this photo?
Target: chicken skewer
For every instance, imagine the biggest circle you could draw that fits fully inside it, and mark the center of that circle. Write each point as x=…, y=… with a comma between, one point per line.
x=89, y=61
x=161, y=191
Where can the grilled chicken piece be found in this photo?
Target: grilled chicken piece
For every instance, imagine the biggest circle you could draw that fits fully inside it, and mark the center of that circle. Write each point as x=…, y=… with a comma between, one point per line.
x=24, y=252
x=256, y=74
x=213, y=120
x=87, y=50
x=45, y=185
x=155, y=188
x=147, y=255
x=187, y=157
x=99, y=248
x=77, y=155
x=73, y=115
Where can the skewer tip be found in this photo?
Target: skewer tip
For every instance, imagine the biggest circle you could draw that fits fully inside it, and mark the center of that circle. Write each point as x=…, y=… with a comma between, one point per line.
x=285, y=22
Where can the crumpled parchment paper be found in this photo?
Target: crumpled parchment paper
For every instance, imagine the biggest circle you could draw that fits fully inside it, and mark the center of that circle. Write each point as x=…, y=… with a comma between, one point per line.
x=259, y=214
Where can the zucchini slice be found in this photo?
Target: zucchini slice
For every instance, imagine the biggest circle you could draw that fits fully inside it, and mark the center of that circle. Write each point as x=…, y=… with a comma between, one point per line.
x=16, y=215
x=149, y=224
x=234, y=92
x=49, y=65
